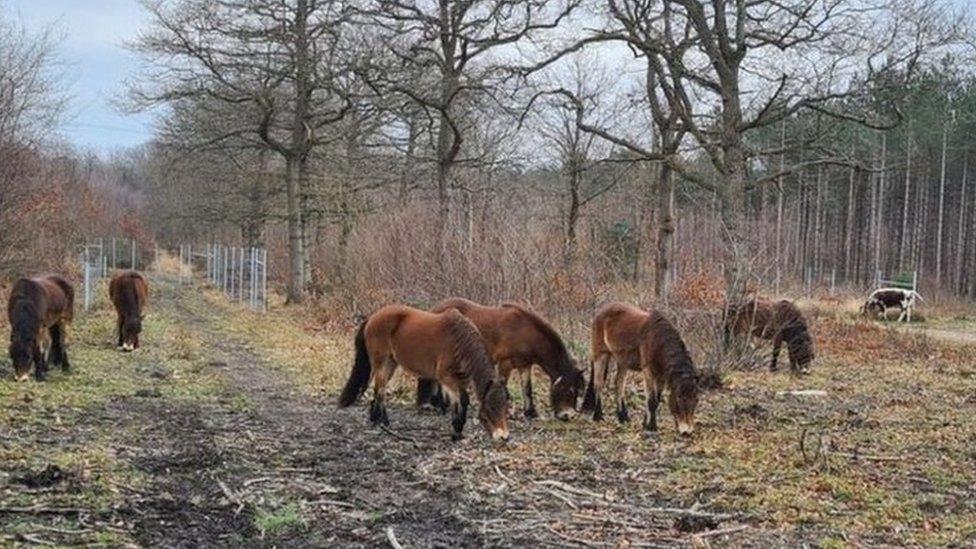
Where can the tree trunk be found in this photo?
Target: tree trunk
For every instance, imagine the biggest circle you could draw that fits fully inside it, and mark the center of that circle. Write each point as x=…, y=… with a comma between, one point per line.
x=879, y=215
x=665, y=230
x=960, y=241
x=296, y=287
x=902, y=246
x=779, y=207
x=849, y=229
x=938, y=235
x=298, y=160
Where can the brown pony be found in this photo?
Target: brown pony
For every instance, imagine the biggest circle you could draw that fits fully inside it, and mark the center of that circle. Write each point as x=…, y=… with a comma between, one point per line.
x=780, y=321
x=445, y=347
x=129, y=292
x=517, y=338
x=646, y=342
x=40, y=310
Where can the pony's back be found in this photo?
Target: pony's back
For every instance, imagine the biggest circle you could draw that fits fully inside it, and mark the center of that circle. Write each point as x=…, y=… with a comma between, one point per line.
x=468, y=347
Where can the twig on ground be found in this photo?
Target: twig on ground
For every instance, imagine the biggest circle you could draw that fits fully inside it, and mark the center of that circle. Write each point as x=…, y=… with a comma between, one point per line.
x=721, y=532
x=576, y=541
x=397, y=435
x=334, y=502
x=869, y=457
x=391, y=537
x=36, y=540
x=37, y=510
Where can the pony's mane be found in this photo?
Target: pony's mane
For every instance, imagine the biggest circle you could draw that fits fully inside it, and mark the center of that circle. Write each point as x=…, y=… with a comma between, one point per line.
x=469, y=350
x=680, y=366
x=25, y=319
x=565, y=364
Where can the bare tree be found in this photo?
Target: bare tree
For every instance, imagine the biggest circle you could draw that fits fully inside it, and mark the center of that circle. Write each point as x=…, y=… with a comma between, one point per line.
x=286, y=61
x=455, y=42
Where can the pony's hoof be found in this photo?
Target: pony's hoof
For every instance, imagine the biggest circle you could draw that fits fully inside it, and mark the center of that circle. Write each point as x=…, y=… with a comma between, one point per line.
x=457, y=437
x=531, y=414
x=623, y=416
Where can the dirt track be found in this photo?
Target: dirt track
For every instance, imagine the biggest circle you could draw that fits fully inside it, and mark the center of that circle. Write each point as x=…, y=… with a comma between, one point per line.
x=225, y=448
x=262, y=463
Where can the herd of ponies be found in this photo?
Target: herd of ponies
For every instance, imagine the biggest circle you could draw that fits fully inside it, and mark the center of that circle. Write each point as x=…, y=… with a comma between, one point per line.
x=460, y=346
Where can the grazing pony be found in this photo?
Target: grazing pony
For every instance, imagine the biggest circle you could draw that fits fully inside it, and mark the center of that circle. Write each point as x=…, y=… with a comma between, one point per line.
x=881, y=299
x=40, y=310
x=129, y=292
x=642, y=341
x=516, y=338
x=445, y=347
x=780, y=321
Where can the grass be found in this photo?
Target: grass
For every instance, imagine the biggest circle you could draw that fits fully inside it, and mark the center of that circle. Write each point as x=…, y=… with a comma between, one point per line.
x=887, y=455
x=44, y=424
x=274, y=520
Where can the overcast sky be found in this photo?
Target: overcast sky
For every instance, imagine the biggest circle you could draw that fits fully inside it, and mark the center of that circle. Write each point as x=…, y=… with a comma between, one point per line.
x=98, y=65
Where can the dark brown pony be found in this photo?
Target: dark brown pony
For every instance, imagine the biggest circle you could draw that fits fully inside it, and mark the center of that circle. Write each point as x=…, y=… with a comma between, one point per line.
x=642, y=341
x=780, y=321
x=40, y=310
x=445, y=347
x=129, y=292
x=516, y=338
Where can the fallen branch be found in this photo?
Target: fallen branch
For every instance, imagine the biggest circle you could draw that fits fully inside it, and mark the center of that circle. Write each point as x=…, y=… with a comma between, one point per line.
x=721, y=532
x=42, y=510
x=869, y=457
x=573, y=540
x=391, y=537
x=397, y=435
x=334, y=502
x=571, y=489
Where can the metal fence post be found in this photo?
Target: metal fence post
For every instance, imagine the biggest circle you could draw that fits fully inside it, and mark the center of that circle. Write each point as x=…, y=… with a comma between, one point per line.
x=134, y=265
x=264, y=280
x=240, y=275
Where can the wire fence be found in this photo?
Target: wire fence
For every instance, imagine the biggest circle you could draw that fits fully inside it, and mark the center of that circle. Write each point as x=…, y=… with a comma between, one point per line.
x=102, y=256
x=240, y=273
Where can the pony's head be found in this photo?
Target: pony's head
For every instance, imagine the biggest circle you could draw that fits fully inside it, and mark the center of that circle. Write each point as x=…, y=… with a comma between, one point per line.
x=800, y=346
x=872, y=308
x=565, y=391
x=21, y=353
x=683, y=400
x=131, y=328
x=493, y=412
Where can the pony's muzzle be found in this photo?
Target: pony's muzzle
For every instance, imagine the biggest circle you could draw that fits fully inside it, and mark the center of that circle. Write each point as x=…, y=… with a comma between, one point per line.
x=565, y=415
x=686, y=428
x=499, y=435
x=127, y=347
x=20, y=377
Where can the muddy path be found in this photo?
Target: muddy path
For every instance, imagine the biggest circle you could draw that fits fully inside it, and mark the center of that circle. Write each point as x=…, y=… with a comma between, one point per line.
x=242, y=455
x=269, y=465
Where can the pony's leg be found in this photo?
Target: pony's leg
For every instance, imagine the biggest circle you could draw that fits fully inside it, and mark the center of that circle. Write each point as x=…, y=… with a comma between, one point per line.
x=377, y=409
x=54, y=354
x=777, y=344
x=460, y=415
x=529, y=404
x=904, y=312
x=40, y=360
x=457, y=399
x=623, y=416
x=63, y=345
x=118, y=325
x=653, y=400
x=600, y=367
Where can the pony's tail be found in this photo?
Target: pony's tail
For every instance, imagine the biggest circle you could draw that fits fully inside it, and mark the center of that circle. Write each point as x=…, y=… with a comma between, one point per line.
x=361, y=370
x=589, y=397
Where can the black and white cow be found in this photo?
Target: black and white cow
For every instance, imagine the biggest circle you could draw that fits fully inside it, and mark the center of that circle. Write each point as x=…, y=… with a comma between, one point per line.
x=882, y=299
